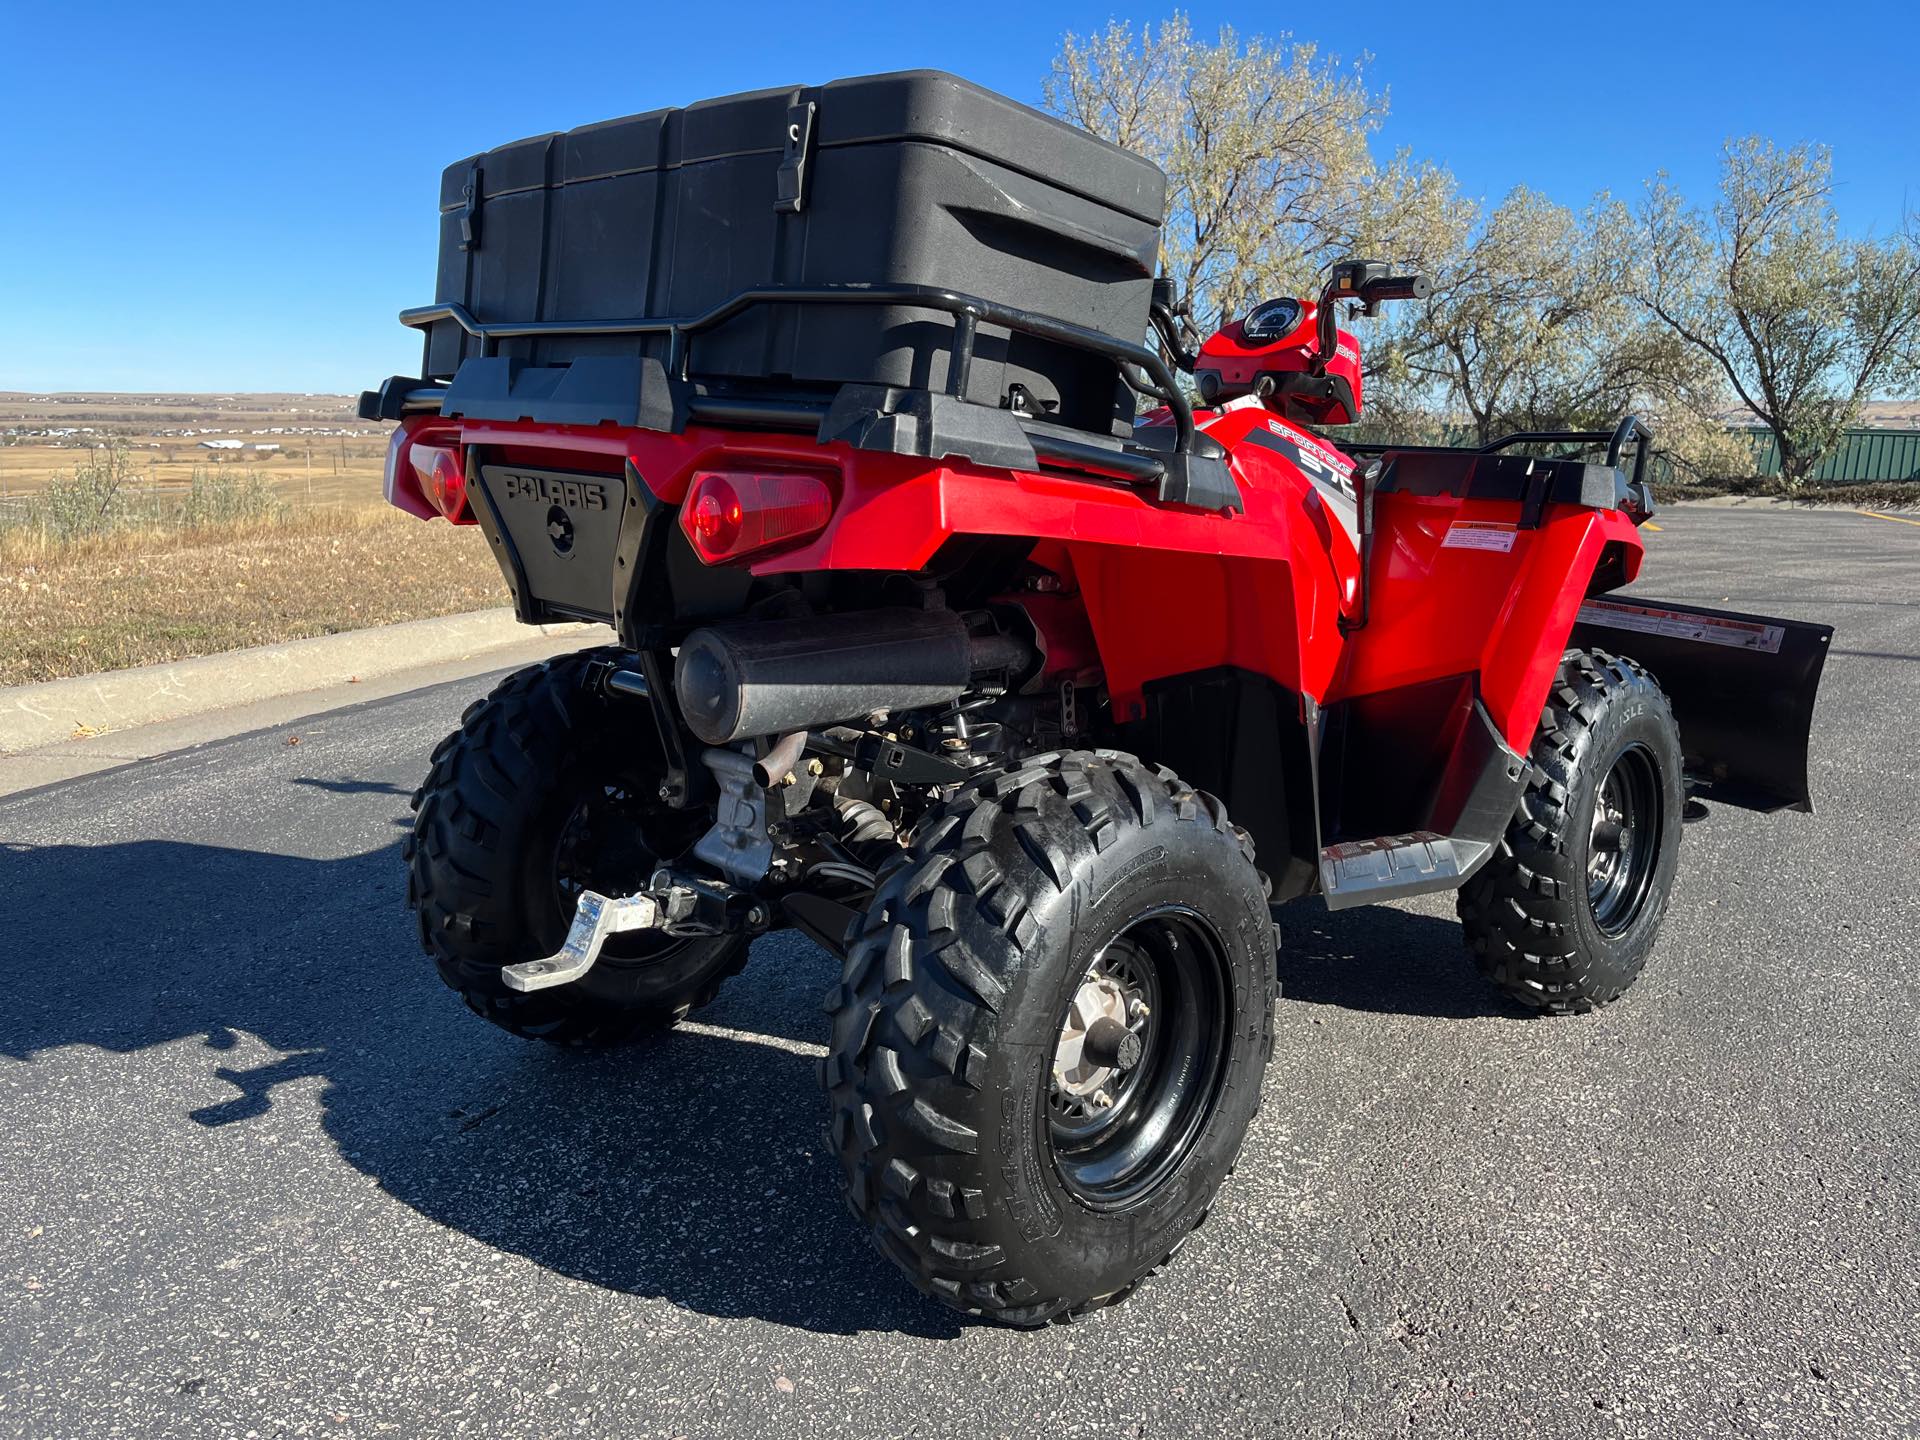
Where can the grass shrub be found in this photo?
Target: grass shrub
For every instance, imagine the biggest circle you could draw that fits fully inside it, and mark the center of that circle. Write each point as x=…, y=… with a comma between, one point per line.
x=105, y=494
x=220, y=497
x=1868, y=494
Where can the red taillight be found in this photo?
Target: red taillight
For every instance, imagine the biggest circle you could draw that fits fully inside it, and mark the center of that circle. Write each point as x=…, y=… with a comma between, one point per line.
x=400, y=485
x=733, y=513
x=442, y=479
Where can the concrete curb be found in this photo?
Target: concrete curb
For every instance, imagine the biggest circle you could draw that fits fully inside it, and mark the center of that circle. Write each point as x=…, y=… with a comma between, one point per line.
x=32, y=716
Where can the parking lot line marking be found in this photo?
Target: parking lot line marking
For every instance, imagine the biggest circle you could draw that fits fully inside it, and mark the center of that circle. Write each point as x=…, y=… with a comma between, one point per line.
x=1651, y=526
x=1897, y=519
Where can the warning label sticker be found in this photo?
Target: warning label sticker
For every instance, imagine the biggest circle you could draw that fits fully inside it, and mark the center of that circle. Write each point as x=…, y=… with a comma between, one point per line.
x=1480, y=535
x=1713, y=629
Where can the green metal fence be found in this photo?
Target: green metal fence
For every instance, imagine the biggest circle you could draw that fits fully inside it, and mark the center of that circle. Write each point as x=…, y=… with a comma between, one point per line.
x=1861, y=455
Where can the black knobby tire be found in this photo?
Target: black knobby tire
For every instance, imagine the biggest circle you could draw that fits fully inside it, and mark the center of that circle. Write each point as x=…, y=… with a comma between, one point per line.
x=948, y=1012
x=549, y=784
x=1553, y=919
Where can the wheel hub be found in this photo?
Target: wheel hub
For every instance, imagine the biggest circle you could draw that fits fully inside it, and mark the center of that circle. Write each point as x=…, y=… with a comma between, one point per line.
x=1623, y=841
x=1138, y=1058
x=1612, y=835
x=1100, y=1041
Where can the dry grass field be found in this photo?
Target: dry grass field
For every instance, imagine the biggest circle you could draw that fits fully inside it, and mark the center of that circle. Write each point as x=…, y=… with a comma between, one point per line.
x=143, y=597
x=330, y=557
x=325, y=454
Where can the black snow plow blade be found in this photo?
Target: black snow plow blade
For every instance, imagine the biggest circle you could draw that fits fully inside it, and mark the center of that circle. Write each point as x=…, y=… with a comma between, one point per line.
x=1742, y=688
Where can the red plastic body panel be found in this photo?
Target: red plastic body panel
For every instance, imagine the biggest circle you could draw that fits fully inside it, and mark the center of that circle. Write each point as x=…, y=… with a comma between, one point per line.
x=1167, y=591
x=1436, y=609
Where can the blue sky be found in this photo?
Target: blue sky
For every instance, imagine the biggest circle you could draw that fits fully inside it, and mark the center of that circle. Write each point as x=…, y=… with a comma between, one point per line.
x=240, y=197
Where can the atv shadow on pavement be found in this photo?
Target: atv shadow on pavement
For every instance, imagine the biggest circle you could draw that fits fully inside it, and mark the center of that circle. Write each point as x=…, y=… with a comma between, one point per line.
x=1384, y=959
x=691, y=1168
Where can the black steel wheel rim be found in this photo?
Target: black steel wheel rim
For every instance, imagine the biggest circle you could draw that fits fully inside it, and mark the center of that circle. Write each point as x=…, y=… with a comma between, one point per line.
x=611, y=840
x=1624, y=840
x=1115, y=1154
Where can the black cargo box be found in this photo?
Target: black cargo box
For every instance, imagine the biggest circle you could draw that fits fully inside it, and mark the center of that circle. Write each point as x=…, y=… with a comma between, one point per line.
x=917, y=178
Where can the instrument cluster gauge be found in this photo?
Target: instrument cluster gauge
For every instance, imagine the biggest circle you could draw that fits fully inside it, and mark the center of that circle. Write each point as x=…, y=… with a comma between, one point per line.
x=1272, y=320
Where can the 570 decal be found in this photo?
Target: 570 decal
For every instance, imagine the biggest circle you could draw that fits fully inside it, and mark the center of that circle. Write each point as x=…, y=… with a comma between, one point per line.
x=1331, y=474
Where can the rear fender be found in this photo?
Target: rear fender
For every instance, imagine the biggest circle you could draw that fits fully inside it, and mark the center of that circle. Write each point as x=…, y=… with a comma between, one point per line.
x=1742, y=687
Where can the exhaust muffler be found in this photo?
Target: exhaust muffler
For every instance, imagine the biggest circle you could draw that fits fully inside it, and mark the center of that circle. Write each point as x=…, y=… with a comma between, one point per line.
x=773, y=677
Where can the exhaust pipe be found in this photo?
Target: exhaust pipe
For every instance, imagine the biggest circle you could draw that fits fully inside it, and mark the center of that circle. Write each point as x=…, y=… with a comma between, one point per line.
x=773, y=677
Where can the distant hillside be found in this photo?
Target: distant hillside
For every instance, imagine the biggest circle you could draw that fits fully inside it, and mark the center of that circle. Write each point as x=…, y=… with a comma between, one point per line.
x=68, y=407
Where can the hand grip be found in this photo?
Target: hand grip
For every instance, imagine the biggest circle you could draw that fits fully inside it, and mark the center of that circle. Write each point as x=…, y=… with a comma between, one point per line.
x=1396, y=287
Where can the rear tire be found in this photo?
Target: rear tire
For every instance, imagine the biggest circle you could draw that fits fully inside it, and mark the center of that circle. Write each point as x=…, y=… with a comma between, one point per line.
x=548, y=786
x=1563, y=916
x=995, y=1189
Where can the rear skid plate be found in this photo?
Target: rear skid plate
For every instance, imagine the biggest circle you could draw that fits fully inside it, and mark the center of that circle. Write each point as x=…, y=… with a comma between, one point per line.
x=595, y=918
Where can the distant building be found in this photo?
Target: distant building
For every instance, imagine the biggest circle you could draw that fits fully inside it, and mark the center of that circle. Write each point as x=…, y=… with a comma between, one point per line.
x=223, y=444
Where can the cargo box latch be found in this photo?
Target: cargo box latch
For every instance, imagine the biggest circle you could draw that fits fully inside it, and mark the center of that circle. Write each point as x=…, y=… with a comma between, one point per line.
x=790, y=182
x=470, y=211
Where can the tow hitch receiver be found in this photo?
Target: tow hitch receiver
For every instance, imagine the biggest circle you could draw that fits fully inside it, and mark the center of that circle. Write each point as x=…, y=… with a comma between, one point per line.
x=595, y=917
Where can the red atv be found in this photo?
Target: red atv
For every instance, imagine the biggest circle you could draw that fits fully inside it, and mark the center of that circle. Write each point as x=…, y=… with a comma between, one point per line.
x=825, y=399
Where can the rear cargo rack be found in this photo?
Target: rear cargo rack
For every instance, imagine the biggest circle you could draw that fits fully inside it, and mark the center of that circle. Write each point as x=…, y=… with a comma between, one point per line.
x=1188, y=472
x=968, y=311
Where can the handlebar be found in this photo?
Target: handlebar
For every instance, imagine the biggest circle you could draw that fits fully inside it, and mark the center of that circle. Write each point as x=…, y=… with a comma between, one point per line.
x=1394, y=287
x=1167, y=325
x=1368, y=282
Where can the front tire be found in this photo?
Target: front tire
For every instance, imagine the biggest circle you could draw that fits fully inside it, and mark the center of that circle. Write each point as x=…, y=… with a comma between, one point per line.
x=1023, y=1130
x=1563, y=916
x=550, y=786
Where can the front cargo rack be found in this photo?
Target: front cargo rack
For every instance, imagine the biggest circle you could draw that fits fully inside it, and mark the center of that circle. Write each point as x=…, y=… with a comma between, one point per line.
x=1489, y=472
x=1187, y=467
x=1632, y=430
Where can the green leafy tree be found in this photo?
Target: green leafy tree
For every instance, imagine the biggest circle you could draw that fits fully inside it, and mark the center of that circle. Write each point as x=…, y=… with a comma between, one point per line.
x=1266, y=144
x=1804, y=324
x=1532, y=326
x=1266, y=148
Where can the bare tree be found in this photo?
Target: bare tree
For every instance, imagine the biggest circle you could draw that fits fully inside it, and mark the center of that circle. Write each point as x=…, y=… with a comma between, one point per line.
x=1804, y=325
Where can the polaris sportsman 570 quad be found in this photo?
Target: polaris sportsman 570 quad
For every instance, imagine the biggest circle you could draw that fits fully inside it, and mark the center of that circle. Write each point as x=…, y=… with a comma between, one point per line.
x=825, y=400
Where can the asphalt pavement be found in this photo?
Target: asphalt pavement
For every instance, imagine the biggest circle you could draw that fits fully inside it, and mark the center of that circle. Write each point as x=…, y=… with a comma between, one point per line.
x=260, y=1174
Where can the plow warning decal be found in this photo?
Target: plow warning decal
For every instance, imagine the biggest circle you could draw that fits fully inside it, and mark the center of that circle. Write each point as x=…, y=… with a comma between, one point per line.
x=1740, y=634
